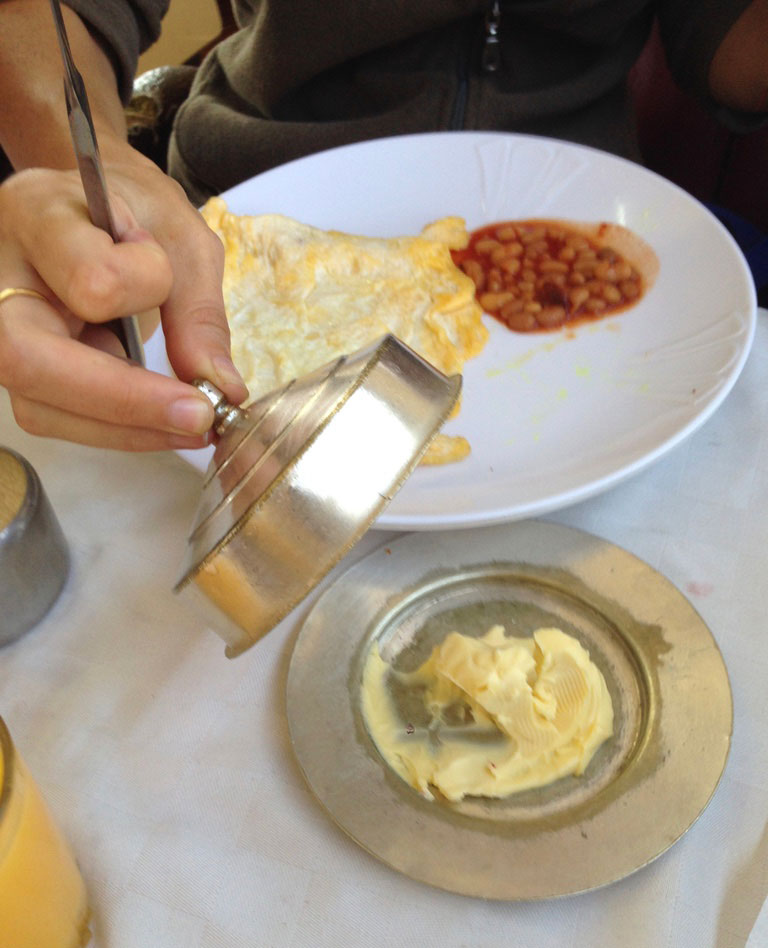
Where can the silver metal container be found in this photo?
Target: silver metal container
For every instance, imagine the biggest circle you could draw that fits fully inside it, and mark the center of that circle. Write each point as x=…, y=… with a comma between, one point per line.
x=298, y=477
x=34, y=557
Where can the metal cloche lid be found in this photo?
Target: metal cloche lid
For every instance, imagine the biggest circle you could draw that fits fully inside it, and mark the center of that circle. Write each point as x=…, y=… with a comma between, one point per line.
x=298, y=477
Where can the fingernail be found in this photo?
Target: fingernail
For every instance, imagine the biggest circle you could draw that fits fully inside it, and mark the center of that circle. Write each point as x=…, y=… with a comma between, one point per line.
x=190, y=415
x=226, y=371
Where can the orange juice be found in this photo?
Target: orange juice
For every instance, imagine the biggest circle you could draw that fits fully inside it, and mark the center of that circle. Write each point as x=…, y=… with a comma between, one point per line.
x=43, y=902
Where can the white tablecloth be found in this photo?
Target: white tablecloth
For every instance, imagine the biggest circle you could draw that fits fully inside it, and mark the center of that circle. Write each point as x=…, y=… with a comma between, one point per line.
x=170, y=768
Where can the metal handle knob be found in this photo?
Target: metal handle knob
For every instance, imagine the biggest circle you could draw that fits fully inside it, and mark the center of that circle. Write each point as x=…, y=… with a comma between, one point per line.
x=225, y=414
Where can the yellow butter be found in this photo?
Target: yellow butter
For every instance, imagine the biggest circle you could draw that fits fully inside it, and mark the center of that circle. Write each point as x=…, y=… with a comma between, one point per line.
x=504, y=714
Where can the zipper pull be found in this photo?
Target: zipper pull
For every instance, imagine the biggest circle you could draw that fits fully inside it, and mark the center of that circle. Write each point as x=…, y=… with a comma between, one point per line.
x=490, y=58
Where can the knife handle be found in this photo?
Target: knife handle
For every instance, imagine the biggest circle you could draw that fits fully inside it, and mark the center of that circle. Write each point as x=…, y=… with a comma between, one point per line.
x=127, y=331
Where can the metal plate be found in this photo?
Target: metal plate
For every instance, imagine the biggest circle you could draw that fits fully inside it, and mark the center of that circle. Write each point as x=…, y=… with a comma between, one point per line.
x=643, y=789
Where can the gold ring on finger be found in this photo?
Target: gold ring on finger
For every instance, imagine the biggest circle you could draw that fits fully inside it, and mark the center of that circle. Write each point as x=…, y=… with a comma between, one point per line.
x=12, y=291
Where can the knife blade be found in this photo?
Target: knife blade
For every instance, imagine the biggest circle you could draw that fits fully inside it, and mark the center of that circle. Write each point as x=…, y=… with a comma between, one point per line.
x=91, y=172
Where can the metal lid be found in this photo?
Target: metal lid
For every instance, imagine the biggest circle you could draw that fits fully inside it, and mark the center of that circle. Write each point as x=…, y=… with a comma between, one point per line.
x=298, y=477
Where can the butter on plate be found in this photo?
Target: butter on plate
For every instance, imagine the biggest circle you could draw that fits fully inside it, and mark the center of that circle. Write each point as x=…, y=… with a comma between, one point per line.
x=503, y=714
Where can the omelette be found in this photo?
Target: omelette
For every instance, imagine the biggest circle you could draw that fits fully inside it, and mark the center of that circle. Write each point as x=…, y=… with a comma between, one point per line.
x=298, y=297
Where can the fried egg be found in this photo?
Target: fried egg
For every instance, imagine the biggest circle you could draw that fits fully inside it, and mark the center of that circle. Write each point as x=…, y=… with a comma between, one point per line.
x=298, y=297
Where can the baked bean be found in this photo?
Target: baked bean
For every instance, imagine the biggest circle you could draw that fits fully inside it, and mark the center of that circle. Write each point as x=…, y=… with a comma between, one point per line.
x=606, y=271
x=521, y=322
x=551, y=315
x=503, y=251
x=629, y=288
x=532, y=236
x=553, y=266
x=578, y=296
x=510, y=265
x=611, y=293
x=508, y=309
x=495, y=283
x=486, y=245
x=506, y=233
x=493, y=301
x=475, y=272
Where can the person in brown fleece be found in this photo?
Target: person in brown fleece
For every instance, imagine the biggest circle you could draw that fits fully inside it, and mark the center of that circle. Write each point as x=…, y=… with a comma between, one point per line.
x=297, y=77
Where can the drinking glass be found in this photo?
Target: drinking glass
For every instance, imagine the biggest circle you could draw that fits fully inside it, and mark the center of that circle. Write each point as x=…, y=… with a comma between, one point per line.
x=43, y=901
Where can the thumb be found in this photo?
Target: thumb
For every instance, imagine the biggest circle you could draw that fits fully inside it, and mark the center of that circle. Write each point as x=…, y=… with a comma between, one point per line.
x=198, y=345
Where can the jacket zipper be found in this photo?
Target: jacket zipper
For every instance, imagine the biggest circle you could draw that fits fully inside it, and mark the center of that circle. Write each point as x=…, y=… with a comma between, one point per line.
x=490, y=57
x=490, y=60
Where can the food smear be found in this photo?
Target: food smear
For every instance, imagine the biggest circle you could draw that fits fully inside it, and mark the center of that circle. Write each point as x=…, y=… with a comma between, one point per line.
x=535, y=275
x=500, y=713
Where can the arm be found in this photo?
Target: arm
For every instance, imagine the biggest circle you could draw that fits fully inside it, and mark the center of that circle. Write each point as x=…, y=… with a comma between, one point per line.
x=717, y=50
x=738, y=75
x=56, y=360
x=30, y=69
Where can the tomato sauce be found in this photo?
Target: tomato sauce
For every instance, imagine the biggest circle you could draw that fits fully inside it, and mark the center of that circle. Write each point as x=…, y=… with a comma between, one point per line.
x=535, y=275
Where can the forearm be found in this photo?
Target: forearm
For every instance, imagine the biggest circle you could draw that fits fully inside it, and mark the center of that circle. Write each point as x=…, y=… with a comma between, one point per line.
x=33, y=120
x=738, y=76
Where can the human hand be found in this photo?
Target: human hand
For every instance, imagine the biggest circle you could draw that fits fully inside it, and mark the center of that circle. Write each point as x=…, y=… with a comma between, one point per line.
x=66, y=373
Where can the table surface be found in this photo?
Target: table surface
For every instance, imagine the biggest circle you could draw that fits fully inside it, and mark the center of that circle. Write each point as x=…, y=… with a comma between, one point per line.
x=170, y=766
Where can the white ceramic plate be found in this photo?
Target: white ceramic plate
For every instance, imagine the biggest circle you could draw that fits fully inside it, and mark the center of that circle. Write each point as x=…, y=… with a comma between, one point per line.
x=552, y=418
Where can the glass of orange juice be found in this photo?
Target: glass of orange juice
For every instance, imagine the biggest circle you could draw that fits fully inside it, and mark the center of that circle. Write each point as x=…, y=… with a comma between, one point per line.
x=43, y=902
